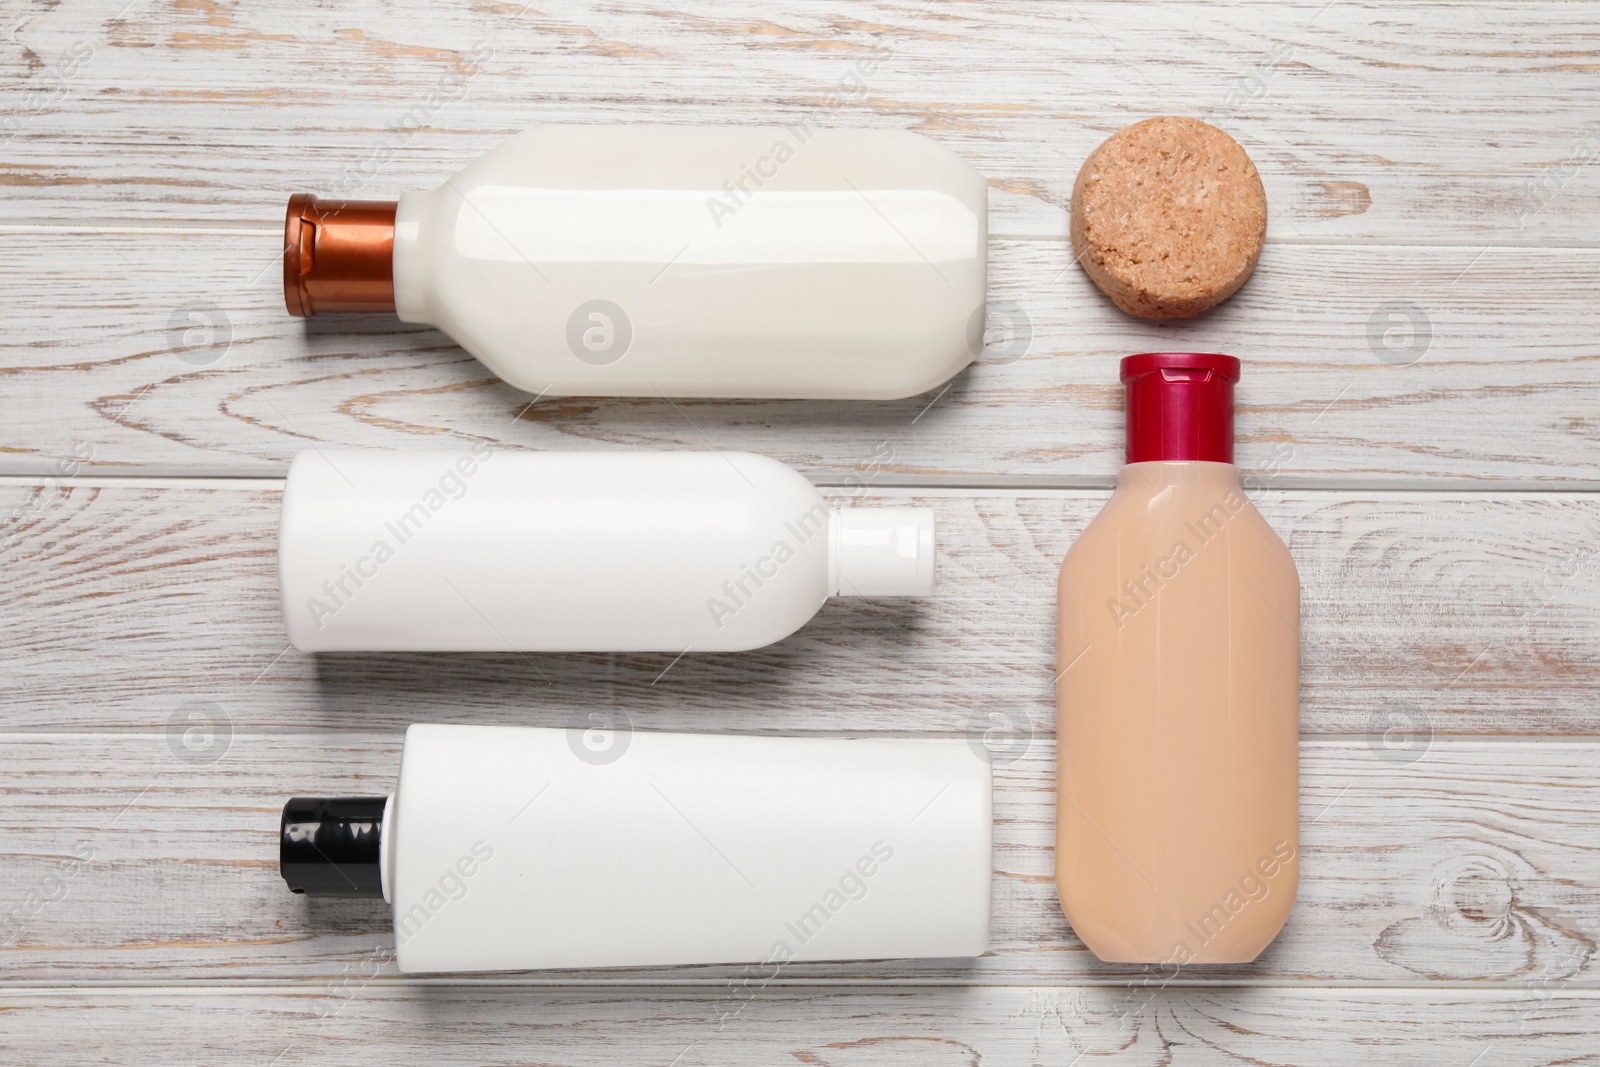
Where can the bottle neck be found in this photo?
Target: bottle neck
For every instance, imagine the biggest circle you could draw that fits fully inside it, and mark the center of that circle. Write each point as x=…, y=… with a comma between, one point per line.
x=1156, y=475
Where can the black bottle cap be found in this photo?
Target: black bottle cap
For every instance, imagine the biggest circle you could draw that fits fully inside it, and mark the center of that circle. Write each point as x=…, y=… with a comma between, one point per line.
x=328, y=846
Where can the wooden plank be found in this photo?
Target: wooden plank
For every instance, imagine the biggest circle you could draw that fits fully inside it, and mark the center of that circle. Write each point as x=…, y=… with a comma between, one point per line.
x=185, y=111
x=1452, y=614
x=361, y=1024
x=100, y=360
x=1471, y=862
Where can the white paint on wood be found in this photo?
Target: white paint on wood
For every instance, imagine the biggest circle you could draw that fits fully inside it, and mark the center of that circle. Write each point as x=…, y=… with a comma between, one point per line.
x=1428, y=122
x=1426, y=155
x=1454, y=614
x=353, y=1022
x=1455, y=861
x=111, y=349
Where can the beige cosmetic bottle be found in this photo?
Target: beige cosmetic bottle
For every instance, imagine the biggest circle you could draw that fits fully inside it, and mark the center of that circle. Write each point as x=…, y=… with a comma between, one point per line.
x=1177, y=805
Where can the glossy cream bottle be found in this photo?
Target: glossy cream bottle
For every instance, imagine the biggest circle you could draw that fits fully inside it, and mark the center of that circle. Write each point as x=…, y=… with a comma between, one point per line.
x=1178, y=692
x=489, y=551
x=509, y=848
x=675, y=261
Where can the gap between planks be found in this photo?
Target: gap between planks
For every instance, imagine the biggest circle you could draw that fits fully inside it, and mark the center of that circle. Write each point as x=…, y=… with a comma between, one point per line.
x=1003, y=488
x=1568, y=988
x=1460, y=741
x=250, y=228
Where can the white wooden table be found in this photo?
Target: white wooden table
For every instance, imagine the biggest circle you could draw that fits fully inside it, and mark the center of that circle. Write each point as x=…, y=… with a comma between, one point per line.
x=1421, y=407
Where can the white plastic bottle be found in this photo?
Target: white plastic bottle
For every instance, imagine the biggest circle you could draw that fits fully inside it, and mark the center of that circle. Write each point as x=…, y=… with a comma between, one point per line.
x=507, y=848
x=675, y=260
x=478, y=550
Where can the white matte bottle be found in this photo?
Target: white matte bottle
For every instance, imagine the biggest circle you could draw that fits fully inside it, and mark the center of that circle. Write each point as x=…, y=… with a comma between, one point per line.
x=479, y=550
x=507, y=848
x=675, y=261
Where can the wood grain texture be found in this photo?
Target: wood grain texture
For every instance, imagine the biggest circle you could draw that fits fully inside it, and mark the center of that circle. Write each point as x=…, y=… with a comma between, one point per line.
x=1458, y=862
x=1431, y=122
x=1444, y=614
x=1419, y=157
x=102, y=358
x=353, y=1023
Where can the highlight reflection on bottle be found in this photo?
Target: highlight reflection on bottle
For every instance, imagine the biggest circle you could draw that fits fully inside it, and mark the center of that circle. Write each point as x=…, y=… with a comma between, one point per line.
x=1178, y=698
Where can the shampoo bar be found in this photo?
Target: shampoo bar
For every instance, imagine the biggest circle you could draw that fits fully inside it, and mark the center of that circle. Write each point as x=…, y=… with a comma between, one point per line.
x=1168, y=217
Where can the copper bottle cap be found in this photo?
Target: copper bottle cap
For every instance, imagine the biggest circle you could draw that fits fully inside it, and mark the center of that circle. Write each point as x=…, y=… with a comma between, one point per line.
x=338, y=255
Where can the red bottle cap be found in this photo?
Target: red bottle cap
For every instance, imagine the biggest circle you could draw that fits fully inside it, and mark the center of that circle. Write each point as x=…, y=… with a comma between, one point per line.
x=1180, y=406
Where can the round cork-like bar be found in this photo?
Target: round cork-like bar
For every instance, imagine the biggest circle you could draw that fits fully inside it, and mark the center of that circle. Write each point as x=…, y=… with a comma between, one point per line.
x=1168, y=217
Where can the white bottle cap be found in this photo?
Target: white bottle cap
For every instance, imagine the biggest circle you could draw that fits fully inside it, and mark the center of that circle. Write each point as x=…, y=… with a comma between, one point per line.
x=884, y=551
